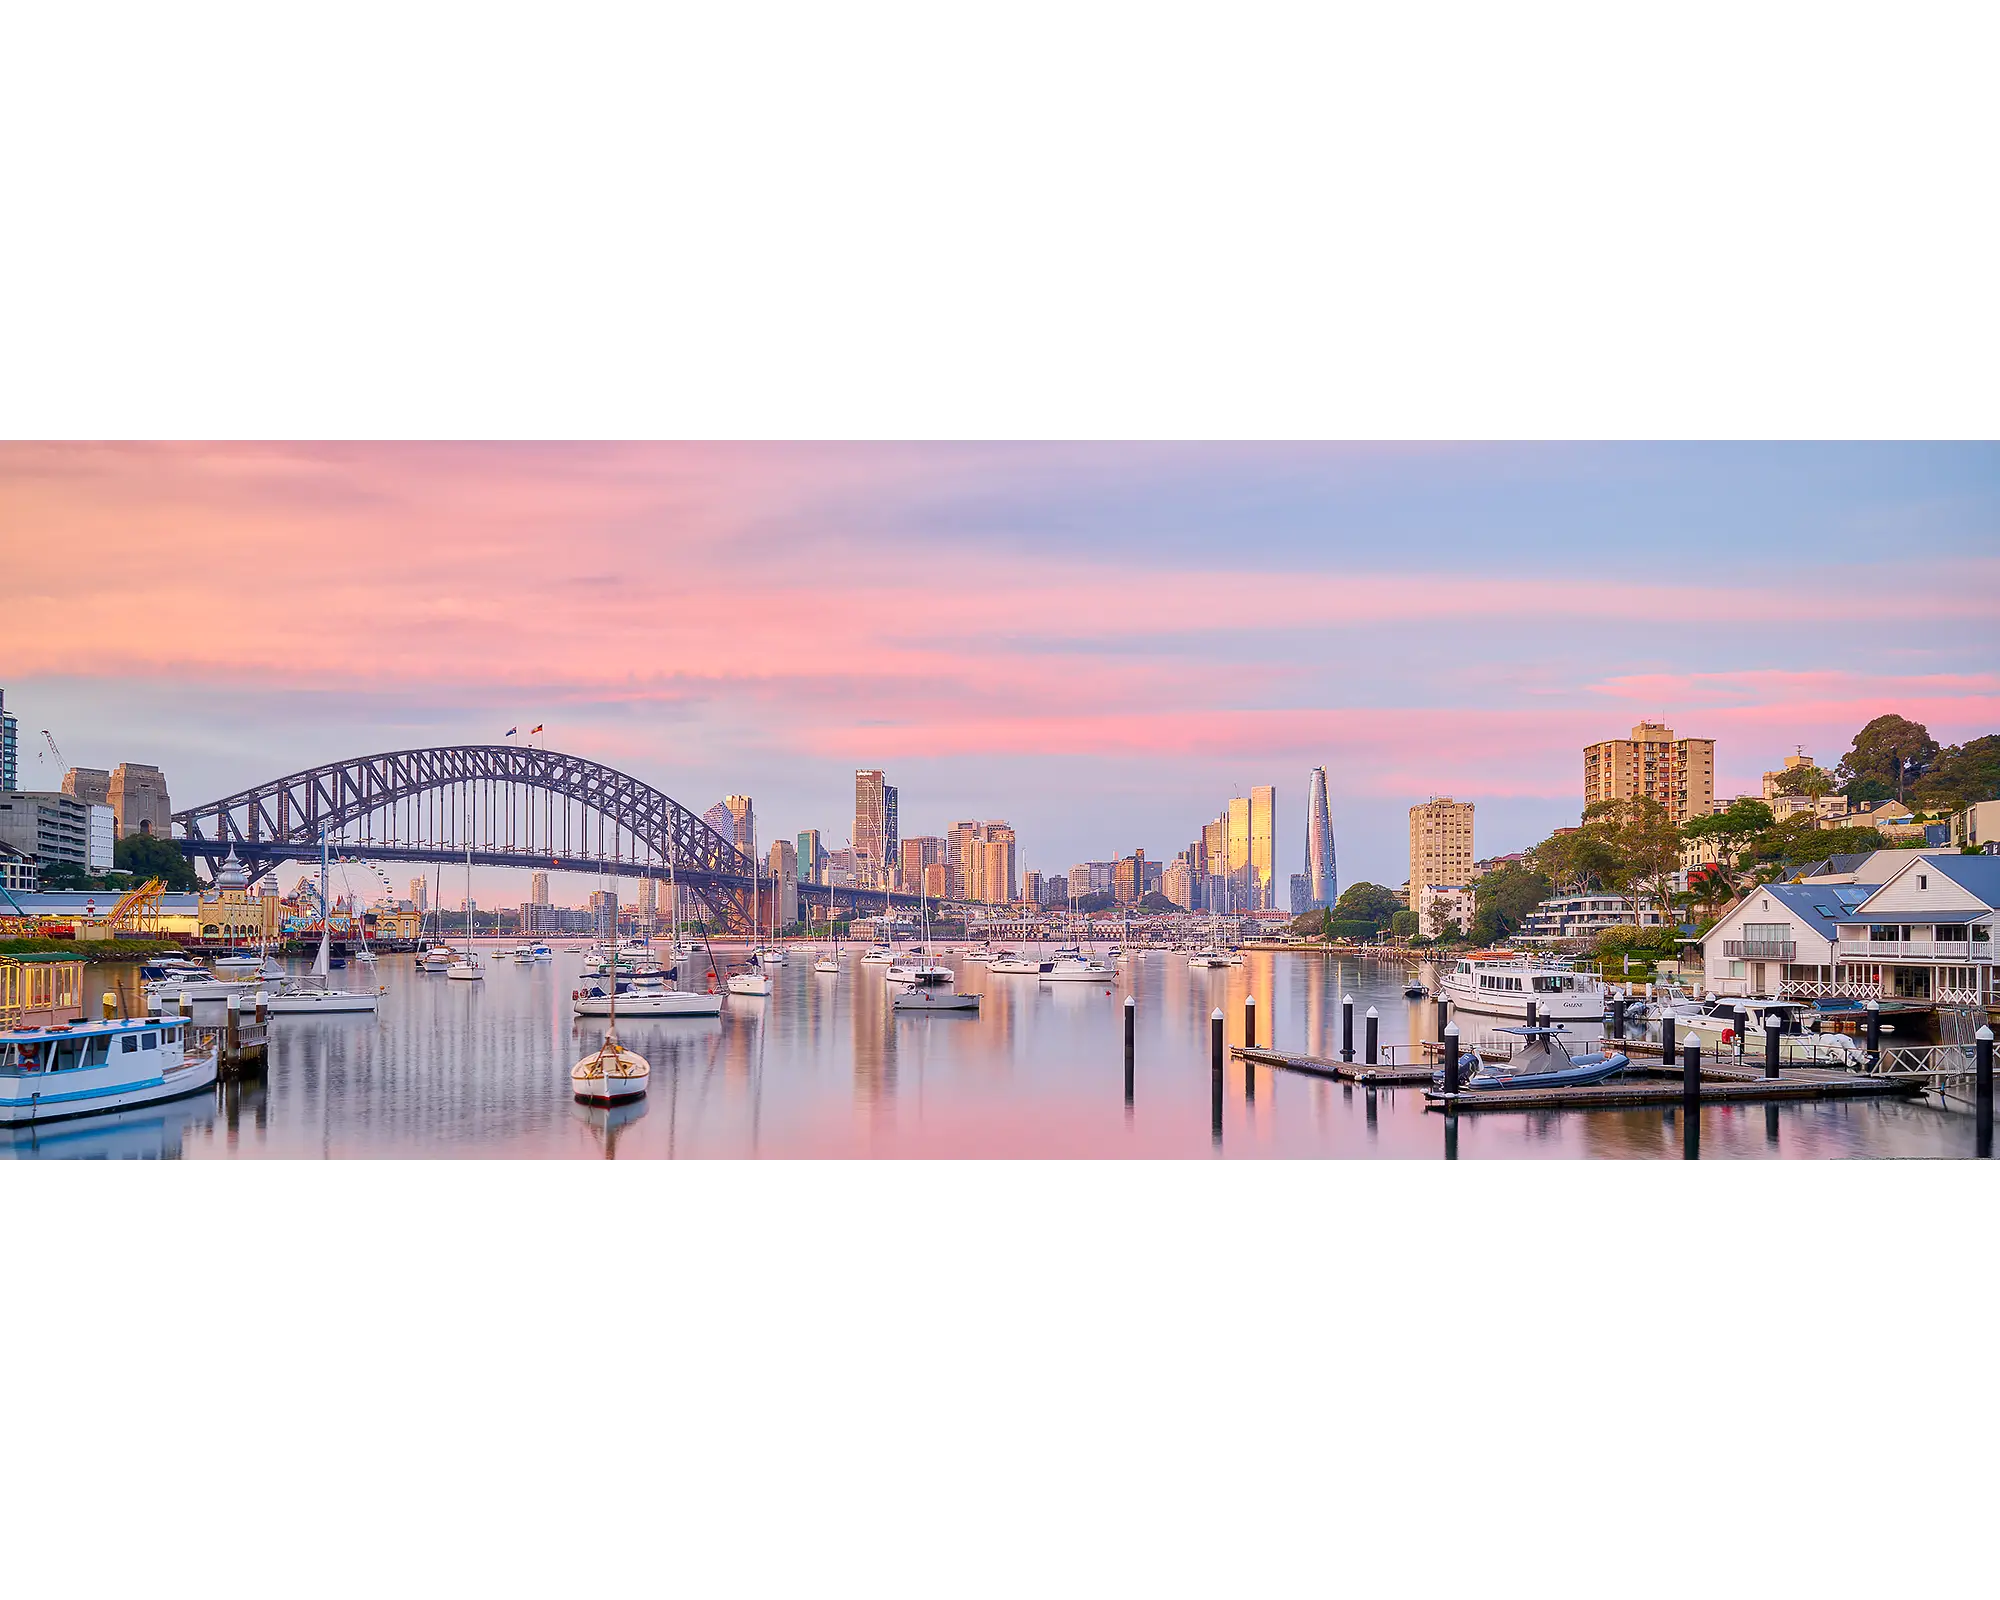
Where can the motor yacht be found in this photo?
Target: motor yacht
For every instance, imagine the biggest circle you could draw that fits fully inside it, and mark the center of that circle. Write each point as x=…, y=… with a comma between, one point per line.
x=930, y=989
x=878, y=955
x=1079, y=968
x=50, y=1073
x=172, y=979
x=1505, y=986
x=436, y=958
x=1208, y=957
x=1018, y=966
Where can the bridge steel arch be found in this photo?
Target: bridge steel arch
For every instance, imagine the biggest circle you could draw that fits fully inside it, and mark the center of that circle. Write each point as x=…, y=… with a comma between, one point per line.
x=283, y=819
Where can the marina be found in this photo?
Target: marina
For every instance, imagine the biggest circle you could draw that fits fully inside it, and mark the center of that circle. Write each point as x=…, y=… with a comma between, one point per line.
x=827, y=1065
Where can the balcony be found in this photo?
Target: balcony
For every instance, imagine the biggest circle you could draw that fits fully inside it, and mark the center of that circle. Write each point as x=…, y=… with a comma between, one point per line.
x=1758, y=949
x=1916, y=950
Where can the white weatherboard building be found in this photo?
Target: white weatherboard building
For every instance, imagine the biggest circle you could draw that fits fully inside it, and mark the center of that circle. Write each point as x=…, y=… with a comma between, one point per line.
x=1924, y=933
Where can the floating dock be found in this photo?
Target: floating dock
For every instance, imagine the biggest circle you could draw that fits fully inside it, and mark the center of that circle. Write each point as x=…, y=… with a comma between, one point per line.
x=1383, y=1074
x=1716, y=1089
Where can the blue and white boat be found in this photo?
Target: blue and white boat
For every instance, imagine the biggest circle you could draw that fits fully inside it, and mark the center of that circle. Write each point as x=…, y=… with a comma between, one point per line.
x=1542, y=1066
x=49, y=1073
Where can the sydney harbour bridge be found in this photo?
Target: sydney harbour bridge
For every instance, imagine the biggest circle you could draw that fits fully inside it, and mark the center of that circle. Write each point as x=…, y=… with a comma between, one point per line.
x=514, y=806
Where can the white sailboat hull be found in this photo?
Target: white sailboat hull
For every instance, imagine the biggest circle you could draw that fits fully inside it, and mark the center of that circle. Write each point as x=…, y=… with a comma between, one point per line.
x=1080, y=972
x=925, y=999
x=318, y=1002
x=665, y=1003
x=752, y=985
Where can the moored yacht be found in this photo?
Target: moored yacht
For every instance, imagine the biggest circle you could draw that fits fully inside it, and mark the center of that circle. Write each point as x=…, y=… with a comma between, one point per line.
x=643, y=998
x=930, y=989
x=47, y=1073
x=878, y=955
x=1079, y=968
x=1505, y=986
x=1011, y=965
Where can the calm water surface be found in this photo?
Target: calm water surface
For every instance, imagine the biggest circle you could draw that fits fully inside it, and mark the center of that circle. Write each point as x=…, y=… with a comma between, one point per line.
x=823, y=1068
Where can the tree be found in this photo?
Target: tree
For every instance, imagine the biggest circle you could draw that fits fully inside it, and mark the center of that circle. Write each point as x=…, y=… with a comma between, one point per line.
x=1503, y=898
x=1576, y=859
x=1367, y=902
x=147, y=855
x=62, y=875
x=1404, y=923
x=1888, y=751
x=1805, y=779
x=1732, y=829
x=1962, y=775
x=1153, y=900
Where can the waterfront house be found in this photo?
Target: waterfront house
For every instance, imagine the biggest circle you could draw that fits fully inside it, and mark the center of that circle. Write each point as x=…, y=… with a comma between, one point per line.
x=1584, y=916
x=1923, y=931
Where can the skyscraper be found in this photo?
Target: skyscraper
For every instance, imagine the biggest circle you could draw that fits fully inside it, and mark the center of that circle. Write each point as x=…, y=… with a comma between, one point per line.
x=420, y=894
x=960, y=868
x=743, y=815
x=871, y=828
x=538, y=888
x=812, y=859
x=891, y=834
x=917, y=854
x=1322, y=881
x=1264, y=848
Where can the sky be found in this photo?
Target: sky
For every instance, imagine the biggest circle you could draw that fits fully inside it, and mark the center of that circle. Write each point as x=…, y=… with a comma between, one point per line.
x=1098, y=643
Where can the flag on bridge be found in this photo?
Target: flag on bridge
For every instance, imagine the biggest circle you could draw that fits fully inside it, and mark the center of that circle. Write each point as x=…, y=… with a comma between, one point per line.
x=512, y=731
x=537, y=728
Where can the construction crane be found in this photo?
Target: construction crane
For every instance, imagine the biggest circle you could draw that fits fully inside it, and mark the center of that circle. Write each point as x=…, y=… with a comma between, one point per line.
x=55, y=750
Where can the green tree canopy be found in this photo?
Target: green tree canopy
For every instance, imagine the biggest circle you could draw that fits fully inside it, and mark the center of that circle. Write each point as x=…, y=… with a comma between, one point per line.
x=1886, y=751
x=1733, y=828
x=146, y=855
x=1805, y=780
x=1367, y=902
x=1404, y=923
x=1502, y=898
x=1961, y=775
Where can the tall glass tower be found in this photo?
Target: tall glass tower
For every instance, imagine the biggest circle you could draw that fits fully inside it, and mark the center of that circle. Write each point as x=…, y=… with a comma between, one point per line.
x=1322, y=879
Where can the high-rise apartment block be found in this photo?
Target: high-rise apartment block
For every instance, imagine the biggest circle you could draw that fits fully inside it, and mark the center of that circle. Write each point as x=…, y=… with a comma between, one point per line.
x=1032, y=889
x=1440, y=846
x=936, y=881
x=1055, y=890
x=1176, y=884
x=1322, y=880
x=1128, y=884
x=812, y=857
x=420, y=894
x=1678, y=773
x=10, y=746
x=917, y=854
x=538, y=888
x=784, y=871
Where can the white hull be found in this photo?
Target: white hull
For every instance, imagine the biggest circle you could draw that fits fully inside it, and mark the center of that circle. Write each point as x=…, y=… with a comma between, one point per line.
x=753, y=986
x=599, y=1089
x=1080, y=972
x=1006, y=968
x=125, y=1078
x=670, y=1003
x=1571, y=1006
x=921, y=999
x=466, y=974
x=826, y=964
x=878, y=958
x=320, y=1002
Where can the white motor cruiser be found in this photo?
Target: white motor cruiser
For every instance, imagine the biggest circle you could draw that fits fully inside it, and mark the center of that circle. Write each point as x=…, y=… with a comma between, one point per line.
x=1506, y=986
x=930, y=989
x=47, y=1073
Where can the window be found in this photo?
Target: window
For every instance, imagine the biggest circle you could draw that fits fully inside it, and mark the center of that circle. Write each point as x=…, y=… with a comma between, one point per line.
x=152, y=1041
x=1923, y=880
x=129, y=1043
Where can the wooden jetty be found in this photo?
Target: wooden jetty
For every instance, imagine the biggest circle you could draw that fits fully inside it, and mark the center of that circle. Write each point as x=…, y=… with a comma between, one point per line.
x=1383, y=1074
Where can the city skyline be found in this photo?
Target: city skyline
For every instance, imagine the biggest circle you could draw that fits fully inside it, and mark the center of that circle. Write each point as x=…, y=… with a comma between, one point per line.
x=775, y=661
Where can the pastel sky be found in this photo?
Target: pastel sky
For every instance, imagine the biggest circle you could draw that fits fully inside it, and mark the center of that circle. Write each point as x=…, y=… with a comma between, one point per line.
x=1100, y=643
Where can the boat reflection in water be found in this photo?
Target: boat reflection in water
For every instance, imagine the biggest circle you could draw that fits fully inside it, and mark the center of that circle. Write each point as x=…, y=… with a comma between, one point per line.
x=607, y=1122
x=143, y=1133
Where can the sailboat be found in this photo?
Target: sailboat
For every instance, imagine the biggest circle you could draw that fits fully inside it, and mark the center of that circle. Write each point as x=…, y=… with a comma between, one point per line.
x=830, y=963
x=756, y=983
x=612, y=1074
x=311, y=993
x=927, y=986
x=465, y=966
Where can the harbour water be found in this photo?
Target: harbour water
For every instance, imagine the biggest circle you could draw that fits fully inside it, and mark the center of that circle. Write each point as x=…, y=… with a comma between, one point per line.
x=824, y=1068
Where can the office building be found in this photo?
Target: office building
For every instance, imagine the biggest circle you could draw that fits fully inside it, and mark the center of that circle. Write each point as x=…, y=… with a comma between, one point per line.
x=916, y=855
x=1176, y=884
x=783, y=866
x=538, y=888
x=891, y=837
x=1128, y=884
x=936, y=876
x=1301, y=901
x=1678, y=773
x=956, y=838
x=812, y=858
x=1000, y=883
x=420, y=894
x=1322, y=881
x=1055, y=890
x=1263, y=883
x=139, y=800
x=10, y=746
x=871, y=829
x=1033, y=890
x=55, y=827
x=1440, y=846
x=649, y=905
x=603, y=907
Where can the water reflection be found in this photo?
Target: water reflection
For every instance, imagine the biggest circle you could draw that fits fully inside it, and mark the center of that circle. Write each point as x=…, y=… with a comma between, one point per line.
x=825, y=1067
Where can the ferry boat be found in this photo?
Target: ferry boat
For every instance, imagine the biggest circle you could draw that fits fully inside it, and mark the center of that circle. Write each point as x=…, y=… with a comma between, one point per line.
x=47, y=1073
x=1505, y=986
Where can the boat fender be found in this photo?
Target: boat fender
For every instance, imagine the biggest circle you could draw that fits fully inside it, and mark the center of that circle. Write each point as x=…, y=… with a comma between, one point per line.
x=1728, y=1035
